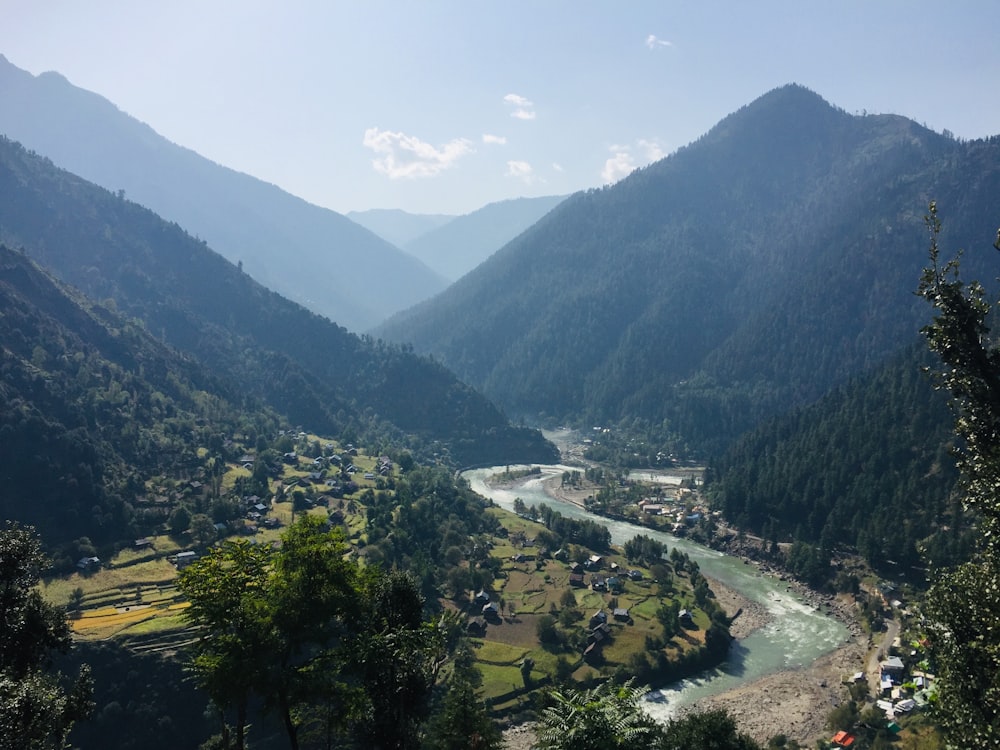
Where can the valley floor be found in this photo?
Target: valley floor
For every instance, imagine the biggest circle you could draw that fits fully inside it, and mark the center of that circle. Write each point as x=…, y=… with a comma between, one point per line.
x=793, y=702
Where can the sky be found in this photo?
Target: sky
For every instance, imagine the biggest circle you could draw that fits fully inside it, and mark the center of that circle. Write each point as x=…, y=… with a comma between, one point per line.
x=443, y=107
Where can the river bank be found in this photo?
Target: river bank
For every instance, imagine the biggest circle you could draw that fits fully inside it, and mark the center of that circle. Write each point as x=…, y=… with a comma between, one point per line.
x=794, y=701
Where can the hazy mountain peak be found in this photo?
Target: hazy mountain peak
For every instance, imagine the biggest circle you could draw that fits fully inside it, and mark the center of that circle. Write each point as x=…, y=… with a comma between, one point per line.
x=300, y=250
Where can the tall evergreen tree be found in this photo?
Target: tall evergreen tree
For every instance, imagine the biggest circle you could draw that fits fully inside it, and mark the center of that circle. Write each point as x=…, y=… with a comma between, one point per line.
x=964, y=603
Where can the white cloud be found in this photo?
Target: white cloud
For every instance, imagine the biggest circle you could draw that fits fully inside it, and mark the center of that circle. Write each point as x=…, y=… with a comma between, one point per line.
x=404, y=156
x=497, y=139
x=523, y=107
x=653, y=41
x=517, y=100
x=626, y=158
x=557, y=167
x=652, y=150
x=618, y=166
x=522, y=170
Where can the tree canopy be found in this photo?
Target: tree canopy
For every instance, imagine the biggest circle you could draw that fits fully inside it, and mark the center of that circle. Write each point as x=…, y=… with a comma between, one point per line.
x=37, y=706
x=963, y=604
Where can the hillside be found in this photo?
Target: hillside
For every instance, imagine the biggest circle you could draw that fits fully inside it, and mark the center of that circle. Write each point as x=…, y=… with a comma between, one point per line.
x=746, y=273
x=309, y=254
x=867, y=467
x=308, y=369
x=91, y=406
x=457, y=247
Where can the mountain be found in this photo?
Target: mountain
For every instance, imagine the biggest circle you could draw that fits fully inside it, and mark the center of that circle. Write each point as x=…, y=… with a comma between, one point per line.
x=867, y=466
x=91, y=406
x=316, y=373
x=309, y=254
x=457, y=247
x=397, y=226
x=746, y=273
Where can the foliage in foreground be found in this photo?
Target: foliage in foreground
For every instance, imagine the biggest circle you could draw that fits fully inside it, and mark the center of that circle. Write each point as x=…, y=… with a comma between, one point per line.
x=37, y=707
x=609, y=716
x=341, y=654
x=964, y=603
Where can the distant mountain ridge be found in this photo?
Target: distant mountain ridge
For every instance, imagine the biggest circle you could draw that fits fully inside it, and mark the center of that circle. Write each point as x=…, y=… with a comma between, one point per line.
x=397, y=226
x=746, y=273
x=309, y=254
x=456, y=247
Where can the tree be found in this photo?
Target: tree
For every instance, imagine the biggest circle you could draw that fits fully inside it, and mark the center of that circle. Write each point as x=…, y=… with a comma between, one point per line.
x=180, y=520
x=709, y=730
x=462, y=722
x=601, y=718
x=963, y=604
x=225, y=590
x=37, y=707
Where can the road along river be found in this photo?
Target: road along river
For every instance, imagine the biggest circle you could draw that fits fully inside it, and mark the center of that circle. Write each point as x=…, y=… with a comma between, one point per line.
x=797, y=635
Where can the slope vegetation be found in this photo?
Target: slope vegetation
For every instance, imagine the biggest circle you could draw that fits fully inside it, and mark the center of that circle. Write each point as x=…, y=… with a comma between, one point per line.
x=748, y=272
x=318, y=374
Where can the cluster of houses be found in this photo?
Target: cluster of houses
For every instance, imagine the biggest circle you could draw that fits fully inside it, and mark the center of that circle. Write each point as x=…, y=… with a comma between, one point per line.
x=677, y=510
x=613, y=583
x=902, y=691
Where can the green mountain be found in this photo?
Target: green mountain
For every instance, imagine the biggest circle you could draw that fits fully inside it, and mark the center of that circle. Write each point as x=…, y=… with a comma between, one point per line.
x=317, y=374
x=749, y=272
x=457, y=247
x=867, y=467
x=91, y=406
x=300, y=250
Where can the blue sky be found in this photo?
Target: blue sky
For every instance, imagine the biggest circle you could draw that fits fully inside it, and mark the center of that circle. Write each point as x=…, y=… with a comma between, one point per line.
x=442, y=107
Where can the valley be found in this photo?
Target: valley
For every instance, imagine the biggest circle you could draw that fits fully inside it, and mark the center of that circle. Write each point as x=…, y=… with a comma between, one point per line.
x=772, y=461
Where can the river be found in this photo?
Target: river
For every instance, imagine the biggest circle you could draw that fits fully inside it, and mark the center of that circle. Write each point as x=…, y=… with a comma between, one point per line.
x=797, y=635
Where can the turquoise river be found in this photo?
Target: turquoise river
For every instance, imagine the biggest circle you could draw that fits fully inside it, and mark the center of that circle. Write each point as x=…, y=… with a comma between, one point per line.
x=797, y=635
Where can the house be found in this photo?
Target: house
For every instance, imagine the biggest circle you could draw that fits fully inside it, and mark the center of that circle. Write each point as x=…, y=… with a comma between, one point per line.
x=685, y=618
x=635, y=575
x=476, y=627
x=143, y=543
x=620, y=613
x=369, y=475
x=482, y=597
x=575, y=568
x=597, y=583
x=87, y=563
x=183, y=559
x=561, y=554
x=598, y=618
x=594, y=562
x=893, y=668
x=576, y=579
x=490, y=611
x=615, y=585
x=842, y=739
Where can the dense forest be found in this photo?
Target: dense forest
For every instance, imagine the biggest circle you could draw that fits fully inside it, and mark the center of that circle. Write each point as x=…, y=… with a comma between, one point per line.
x=305, y=367
x=741, y=276
x=866, y=468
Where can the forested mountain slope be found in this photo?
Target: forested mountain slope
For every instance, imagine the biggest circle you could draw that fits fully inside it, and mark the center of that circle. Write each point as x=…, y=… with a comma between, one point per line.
x=744, y=274
x=91, y=405
x=309, y=254
x=457, y=247
x=866, y=467
x=314, y=372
